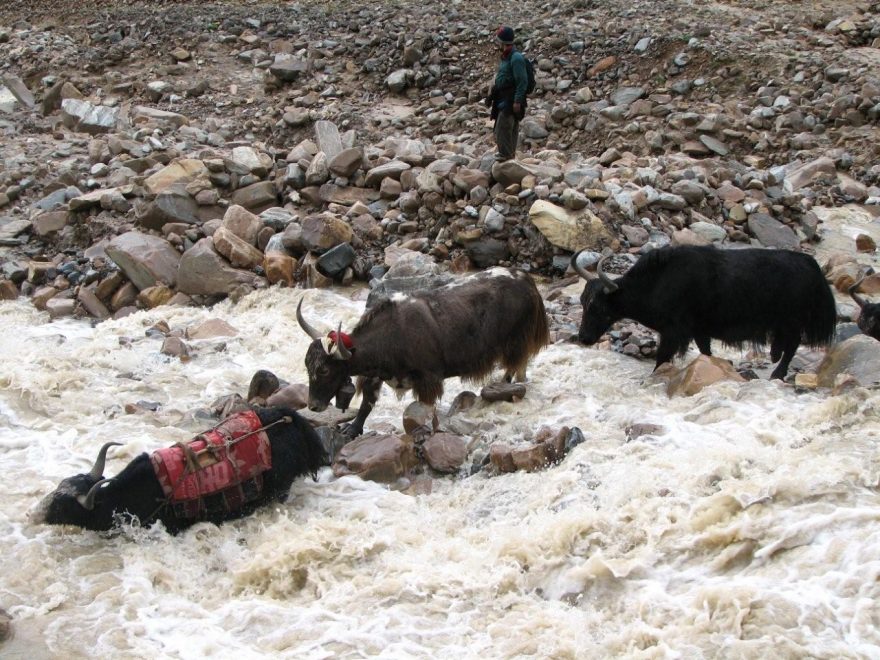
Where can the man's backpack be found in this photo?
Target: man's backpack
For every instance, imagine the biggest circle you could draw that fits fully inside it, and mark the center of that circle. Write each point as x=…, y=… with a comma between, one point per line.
x=530, y=74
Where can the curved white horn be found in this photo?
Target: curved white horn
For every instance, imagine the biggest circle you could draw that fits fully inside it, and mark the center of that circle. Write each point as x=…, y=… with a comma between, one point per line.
x=309, y=330
x=582, y=272
x=88, y=502
x=610, y=285
x=341, y=350
x=98, y=468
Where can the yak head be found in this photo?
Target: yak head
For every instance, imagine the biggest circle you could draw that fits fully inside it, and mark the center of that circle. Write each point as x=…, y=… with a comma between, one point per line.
x=328, y=365
x=869, y=314
x=73, y=502
x=597, y=300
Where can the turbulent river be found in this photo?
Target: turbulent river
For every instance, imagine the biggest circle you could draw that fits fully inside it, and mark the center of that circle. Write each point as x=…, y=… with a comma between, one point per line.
x=748, y=528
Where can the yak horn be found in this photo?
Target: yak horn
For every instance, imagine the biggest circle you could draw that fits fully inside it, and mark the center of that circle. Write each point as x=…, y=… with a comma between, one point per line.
x=577, y=267
x=610, y=285
x=344, y=353
x=98, y=468
x=309, y=330
x=88, y=502
x=852, y=292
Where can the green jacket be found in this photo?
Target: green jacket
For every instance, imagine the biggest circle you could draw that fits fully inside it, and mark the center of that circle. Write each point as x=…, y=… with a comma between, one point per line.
x=512, y=76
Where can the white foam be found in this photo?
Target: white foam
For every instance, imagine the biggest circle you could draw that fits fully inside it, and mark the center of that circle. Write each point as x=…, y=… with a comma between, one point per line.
x=746, y=528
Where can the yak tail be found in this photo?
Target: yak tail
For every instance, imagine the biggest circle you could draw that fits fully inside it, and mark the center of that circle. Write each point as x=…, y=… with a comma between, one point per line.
x=821, y=320
x=539, y=330
x=532, y=338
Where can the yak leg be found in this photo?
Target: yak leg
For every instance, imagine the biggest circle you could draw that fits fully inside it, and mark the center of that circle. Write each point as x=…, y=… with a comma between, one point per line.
x=669, y=346
x=704, y=343
x=776, y=348
x=515, y=375
x=369, y=396
x=788, y=347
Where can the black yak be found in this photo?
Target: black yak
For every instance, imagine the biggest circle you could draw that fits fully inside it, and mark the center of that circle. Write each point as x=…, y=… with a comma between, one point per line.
x=748, y=296
x=415, y=341
x=205, y=479
x=869, y=313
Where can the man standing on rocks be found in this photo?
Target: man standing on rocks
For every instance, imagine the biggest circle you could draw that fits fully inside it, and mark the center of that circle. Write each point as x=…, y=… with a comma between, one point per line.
x=508, y=95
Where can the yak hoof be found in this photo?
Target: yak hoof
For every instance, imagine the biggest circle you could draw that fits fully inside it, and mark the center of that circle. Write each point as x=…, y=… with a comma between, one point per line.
x=351, y=430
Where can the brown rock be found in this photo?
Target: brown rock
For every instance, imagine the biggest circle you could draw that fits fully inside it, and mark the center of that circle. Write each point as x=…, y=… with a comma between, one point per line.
x=322, y=232
x=37, y=271
x=92, y=303
x=263, y=385
x=419, y=419
x=257, y=196
x=153, y=296
x=49, y=222
x=42, y=296
x=59, y=307
x=108, y=286
x=242, y=223
x=347, y=162
x=865, y=243
x=382, y=458
x=699, y=374
x=294, y=396
x=240, y=254
x=175, y=347
x=279, y=268
x=182, y=171
x=8, y=290
x=500, y=455
x=125, y=296
x=503, y=392
x=531, y=457
x=211, y=329
x=445, y=452
x=602, y=65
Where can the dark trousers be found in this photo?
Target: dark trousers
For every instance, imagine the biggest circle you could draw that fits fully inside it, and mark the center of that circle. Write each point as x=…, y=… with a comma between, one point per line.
x=506, y=134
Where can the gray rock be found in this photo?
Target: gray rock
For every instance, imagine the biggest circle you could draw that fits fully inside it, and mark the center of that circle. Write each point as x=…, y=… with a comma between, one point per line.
x=327, y=136
x=203, y=271
x=256, y=196
x=146, y=260
x=392, y=169
x=288, y=68
x=857, y=356
x=88, y=118
x=399, y=80
x=445, y=452
x=19, y=90
x=772, y=233
x=626, y=95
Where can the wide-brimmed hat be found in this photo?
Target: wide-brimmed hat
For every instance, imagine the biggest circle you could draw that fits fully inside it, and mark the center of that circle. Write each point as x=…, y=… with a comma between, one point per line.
x=504, y=35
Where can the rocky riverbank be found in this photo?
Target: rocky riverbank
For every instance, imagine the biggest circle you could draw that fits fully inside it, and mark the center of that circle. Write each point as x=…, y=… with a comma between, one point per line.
x=181, y=153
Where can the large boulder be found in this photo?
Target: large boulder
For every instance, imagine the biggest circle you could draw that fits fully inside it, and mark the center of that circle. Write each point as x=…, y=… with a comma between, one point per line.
x=146, y=260
x=772, y=233
x=203, y=271
x=705, y=370
x=322, y=232
x=383, y=458
x=242, y=223
x=240, y=253
x=182, y=170
x=87, y=118
x=570, y=231
x=445, y=452
x=858, y=357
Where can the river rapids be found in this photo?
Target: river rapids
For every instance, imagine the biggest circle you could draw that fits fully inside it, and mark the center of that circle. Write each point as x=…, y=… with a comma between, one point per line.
x=749, y=527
